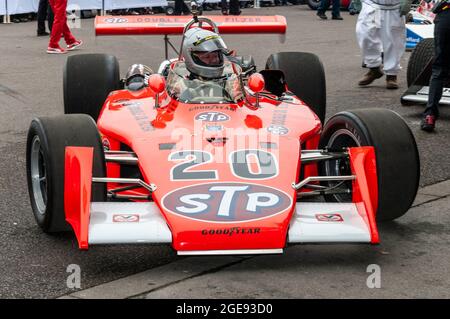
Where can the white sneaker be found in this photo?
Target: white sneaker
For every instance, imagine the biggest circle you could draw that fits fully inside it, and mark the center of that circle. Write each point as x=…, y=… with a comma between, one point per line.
x=74, y=45
x=58, y=50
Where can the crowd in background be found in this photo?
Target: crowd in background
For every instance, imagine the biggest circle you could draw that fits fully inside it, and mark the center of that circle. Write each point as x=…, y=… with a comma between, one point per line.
x=17, y=18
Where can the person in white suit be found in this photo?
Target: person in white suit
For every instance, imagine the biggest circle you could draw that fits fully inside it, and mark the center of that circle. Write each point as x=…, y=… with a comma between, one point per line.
x=381, y=30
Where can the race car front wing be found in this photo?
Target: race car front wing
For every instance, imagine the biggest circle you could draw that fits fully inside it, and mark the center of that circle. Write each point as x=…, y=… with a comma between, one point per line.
x=142, y=222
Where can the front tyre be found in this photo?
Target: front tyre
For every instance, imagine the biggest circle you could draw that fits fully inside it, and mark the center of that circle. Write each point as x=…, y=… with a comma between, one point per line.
x=46, y=144
x=398, y=166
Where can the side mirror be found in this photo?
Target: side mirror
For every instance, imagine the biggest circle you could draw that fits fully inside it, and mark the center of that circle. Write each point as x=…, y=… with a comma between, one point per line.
x=256, y=84
x=157, y=84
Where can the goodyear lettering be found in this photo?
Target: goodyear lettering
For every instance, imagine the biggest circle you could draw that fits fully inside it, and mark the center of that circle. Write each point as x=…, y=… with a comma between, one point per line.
x=231, y=231
x=212, y=107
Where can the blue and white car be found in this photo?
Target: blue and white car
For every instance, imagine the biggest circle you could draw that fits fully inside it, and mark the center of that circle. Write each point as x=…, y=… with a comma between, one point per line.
x=421, y=27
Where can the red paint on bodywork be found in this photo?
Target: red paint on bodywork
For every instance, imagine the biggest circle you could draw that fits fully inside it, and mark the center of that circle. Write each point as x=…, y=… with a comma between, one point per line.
x=77, y=191
x=365, y=187
x=130, y=123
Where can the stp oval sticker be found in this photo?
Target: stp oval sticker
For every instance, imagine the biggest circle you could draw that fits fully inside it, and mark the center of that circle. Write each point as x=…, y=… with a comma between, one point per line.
x=226, y=202
x=212, y=117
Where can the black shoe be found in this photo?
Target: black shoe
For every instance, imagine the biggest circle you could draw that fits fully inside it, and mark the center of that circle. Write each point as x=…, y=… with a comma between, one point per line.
x=337, y=18
x=43, y=34
x=235, y=13
x=322, y=15
x=428, y=123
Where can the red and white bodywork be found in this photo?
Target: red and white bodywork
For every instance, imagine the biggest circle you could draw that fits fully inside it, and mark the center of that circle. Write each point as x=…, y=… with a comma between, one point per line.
x=218, y=177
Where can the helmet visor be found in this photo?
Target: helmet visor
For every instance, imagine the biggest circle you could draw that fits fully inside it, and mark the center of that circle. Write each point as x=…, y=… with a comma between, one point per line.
x=211, y=59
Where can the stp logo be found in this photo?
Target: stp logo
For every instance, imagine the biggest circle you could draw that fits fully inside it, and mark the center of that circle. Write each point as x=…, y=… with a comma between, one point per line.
x=212, y=117
x=227, y=202
x=116, y=20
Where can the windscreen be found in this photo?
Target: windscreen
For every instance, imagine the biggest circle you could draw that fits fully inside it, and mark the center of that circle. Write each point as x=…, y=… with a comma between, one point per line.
x=186, y=88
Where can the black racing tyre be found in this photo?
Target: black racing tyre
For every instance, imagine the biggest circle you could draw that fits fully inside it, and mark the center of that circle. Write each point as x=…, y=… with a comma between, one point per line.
x=420, y=57
x=314, y=4
x=305, y=78
x=398, y=166
x=87, y=81
x=46, y=143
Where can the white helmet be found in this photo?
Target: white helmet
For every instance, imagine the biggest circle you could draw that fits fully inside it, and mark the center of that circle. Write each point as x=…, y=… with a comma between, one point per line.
x=203, y=53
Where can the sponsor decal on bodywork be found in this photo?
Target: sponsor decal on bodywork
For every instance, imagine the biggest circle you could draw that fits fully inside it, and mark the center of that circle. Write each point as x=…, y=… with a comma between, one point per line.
x=212, y=117
x=116, y=20
x=227, y=202
x=106, y=144
x=277, y=125
x=140, y=116
x=232, y=231
x=213, y=128
x=329, y=218
x=126, y=218
x=212, y=108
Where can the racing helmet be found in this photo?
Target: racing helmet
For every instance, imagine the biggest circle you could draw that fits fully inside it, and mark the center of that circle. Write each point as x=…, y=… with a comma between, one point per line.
x=137, y=77
x=203, y=53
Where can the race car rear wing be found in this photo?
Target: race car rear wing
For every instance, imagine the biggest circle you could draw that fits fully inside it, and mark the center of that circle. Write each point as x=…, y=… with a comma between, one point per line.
x=174, y=25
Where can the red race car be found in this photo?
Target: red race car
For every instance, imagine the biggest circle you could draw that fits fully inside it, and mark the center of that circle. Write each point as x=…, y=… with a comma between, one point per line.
x=246, y=168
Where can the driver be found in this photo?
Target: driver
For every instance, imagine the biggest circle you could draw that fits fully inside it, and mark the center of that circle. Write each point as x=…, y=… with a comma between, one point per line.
x=203, y=53
x=206, y=71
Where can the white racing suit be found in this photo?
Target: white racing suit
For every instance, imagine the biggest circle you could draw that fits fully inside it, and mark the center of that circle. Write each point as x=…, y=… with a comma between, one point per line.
x=381, y=28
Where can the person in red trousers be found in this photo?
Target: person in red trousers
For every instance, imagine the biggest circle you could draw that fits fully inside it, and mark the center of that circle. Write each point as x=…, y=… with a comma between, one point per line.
x=59, y=28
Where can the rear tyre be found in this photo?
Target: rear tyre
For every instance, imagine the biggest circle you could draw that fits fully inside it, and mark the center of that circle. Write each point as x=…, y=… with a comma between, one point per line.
x=305, y=78
x=420, y=57
x=398, y=166
x=87, y=80
x=46, y=143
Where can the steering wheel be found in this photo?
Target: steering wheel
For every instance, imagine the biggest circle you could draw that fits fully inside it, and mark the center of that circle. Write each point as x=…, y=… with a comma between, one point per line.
x=212, y=86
